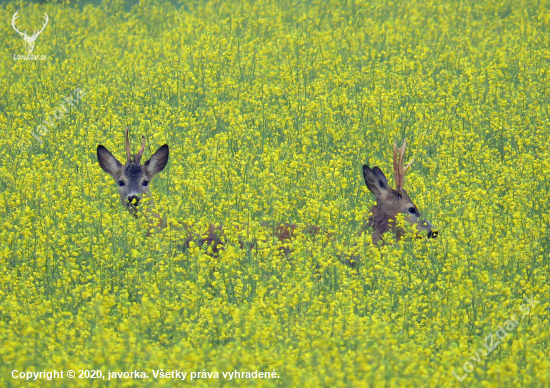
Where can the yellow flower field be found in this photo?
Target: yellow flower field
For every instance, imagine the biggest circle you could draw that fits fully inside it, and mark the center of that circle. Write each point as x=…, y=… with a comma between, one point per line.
x=270, y=109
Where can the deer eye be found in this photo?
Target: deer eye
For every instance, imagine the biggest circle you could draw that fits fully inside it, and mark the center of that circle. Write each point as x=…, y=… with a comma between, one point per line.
x=145, y=183
x=412, y=210
x=121, y=183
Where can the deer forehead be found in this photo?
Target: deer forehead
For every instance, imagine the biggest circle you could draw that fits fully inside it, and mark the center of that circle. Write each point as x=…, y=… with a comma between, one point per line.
x=404, y=196
x=397, y=200
x=134, y=171
x=397, y=196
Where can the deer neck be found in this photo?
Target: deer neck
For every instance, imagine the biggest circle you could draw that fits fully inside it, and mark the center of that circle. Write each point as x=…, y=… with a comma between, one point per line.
x=381, y=222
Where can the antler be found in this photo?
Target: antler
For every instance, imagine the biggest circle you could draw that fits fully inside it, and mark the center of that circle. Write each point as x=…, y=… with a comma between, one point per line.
x=35, y=35
x=23, y=34
x=140, y=153
x=398, y=170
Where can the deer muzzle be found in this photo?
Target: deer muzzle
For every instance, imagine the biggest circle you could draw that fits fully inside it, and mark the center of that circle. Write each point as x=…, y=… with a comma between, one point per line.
x=424, y=225
x=133, y=203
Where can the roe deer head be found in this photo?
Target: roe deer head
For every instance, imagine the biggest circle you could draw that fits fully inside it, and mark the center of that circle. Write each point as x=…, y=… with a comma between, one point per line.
x=133, y=178
x=390, y=202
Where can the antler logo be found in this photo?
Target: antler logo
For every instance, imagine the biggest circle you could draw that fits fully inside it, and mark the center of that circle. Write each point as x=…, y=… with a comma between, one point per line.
x=29, y=40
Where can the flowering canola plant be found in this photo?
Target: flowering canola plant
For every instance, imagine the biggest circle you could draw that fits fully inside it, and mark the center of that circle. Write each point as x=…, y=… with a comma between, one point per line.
x=270, y=109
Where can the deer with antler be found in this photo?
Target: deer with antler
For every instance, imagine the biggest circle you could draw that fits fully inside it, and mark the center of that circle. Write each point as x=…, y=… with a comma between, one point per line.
x=390, y=202
x=133, y=180
x=29, y=40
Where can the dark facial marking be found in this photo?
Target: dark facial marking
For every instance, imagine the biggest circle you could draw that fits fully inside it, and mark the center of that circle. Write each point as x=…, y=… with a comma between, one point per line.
x=133, y=171
x=133, y=200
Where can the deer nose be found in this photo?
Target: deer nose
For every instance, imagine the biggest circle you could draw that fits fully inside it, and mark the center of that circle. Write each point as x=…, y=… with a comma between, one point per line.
x=433, y=234
x=133, y=200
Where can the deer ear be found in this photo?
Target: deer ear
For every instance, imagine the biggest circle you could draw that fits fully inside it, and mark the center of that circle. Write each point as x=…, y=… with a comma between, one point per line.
x=107, y=161
x=375, y=180
x=158, y=161
x=383, y=180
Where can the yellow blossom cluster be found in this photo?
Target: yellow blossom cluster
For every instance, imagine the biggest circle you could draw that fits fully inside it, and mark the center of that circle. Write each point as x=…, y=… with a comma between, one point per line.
x=270, y=108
